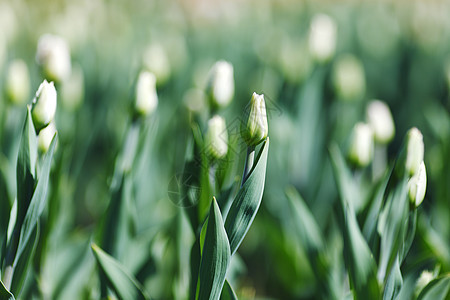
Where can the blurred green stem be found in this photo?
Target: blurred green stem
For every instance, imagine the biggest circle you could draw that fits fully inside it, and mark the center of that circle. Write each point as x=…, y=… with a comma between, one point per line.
x=248, y=163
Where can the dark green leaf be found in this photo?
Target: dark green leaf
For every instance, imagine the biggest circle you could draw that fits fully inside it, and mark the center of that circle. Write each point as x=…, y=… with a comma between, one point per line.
x=118, y=279
x=227, y=292
x=4, y=293
x=394, y=282
x=437, y=289
x=216, y=257
x=245, y=206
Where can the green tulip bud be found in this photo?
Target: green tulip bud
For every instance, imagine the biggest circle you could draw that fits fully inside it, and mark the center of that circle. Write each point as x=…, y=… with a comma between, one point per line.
x=146, y=97
x=380, y=119
x=417, y=185
x=18, y=82
x=414, y=151
x=361, y=149
x=254, y=129
x=220, y=87
x=216, y=140
x=44, y=105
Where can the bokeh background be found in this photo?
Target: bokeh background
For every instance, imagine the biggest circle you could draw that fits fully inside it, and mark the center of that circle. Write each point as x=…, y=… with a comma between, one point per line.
x=396, y=51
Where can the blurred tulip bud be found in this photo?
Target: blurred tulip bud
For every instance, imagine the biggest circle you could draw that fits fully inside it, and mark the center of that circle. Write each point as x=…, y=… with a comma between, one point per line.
x=322, y=37
x=72, y=89
x=220, y=86
x=254, y=128
x=380, y=119
x=425, y=278
x=417, y=185
x=146, y=97
x=44, y=105
x=414, y=151
x=348, y=78
x=45, y=137
x=53, y=55
x=155, y=61
x=18, y=82
x=361, y=148
x=216, y=140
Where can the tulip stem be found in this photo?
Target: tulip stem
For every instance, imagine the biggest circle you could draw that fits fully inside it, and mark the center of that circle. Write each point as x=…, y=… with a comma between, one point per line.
x=248, y=163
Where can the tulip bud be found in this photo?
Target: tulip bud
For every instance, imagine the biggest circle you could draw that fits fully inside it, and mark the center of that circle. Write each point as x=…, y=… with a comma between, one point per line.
x=417, y=185
x=425, y=278
x=72, y=89
x=216, y=140
x=155, y=61
x=44, y=105
x=45, y=137
x=146, y=97
x=414, y=151
x=348, y=78
x=254, y=128
x=53, y=55
x=361, y=149
x=220, y=86
x=380, y=119
x=322, y=37
x=18, y=82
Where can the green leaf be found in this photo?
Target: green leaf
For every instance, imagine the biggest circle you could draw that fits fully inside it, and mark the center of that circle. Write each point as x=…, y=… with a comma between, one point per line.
x=118, y=279
x=245, y=206
x=5, y=207
x=394, y=282
x=37, y=203
x=436, y=289
x=227, y=292
x=216, y=257
x=4, y=293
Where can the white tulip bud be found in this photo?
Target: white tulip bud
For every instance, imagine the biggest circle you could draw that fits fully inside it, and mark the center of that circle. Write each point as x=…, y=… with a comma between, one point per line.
x=220, y=86
x=322, y=37
x=216, y=140
x=44, y=105
x=72, y=89
x=18, y=82
x=361, y=149
x=155, y=60
x=380, y=119
x=254, y=129
x=425, y=278
x=414, y=151
x=45, y=137
x=348, y=78
x=417, y=185
x=146, y=97
x=53, y=55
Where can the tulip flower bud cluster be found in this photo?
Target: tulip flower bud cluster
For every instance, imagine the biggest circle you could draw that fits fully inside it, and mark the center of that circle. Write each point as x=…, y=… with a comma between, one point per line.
x=146, y=97
x=17, y=82
x=415, y=166
x=220, y=86
x=361, y=148
x=322, y=37
x=216, y=140
x=53, y=55
x=44, y=105
x=254, y=128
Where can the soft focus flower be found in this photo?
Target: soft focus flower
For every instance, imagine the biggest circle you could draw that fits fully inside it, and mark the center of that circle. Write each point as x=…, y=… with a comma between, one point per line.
x=425, y=278
x=254, y=128
x=146, y=97
x=45, y=137
x=348, y=78
x=380, y=119
x=17, y=82
x=414, y=151
x=220, y=86
x=322, y=37
x=72, y=89
x=155, y=61
x=417, y=185
x=216, y=140
x=361, y=147
x=44, y=105
x=53, y=55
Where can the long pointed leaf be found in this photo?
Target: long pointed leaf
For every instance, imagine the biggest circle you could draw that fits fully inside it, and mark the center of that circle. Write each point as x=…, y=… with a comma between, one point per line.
x=227, y=292
x=437, y=289
x=4, y=293
x=118, y=279
x=215, y=257
x=247, y=201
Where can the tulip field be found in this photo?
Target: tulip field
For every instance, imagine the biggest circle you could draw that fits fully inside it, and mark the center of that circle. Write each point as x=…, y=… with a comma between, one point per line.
x=224, y=149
